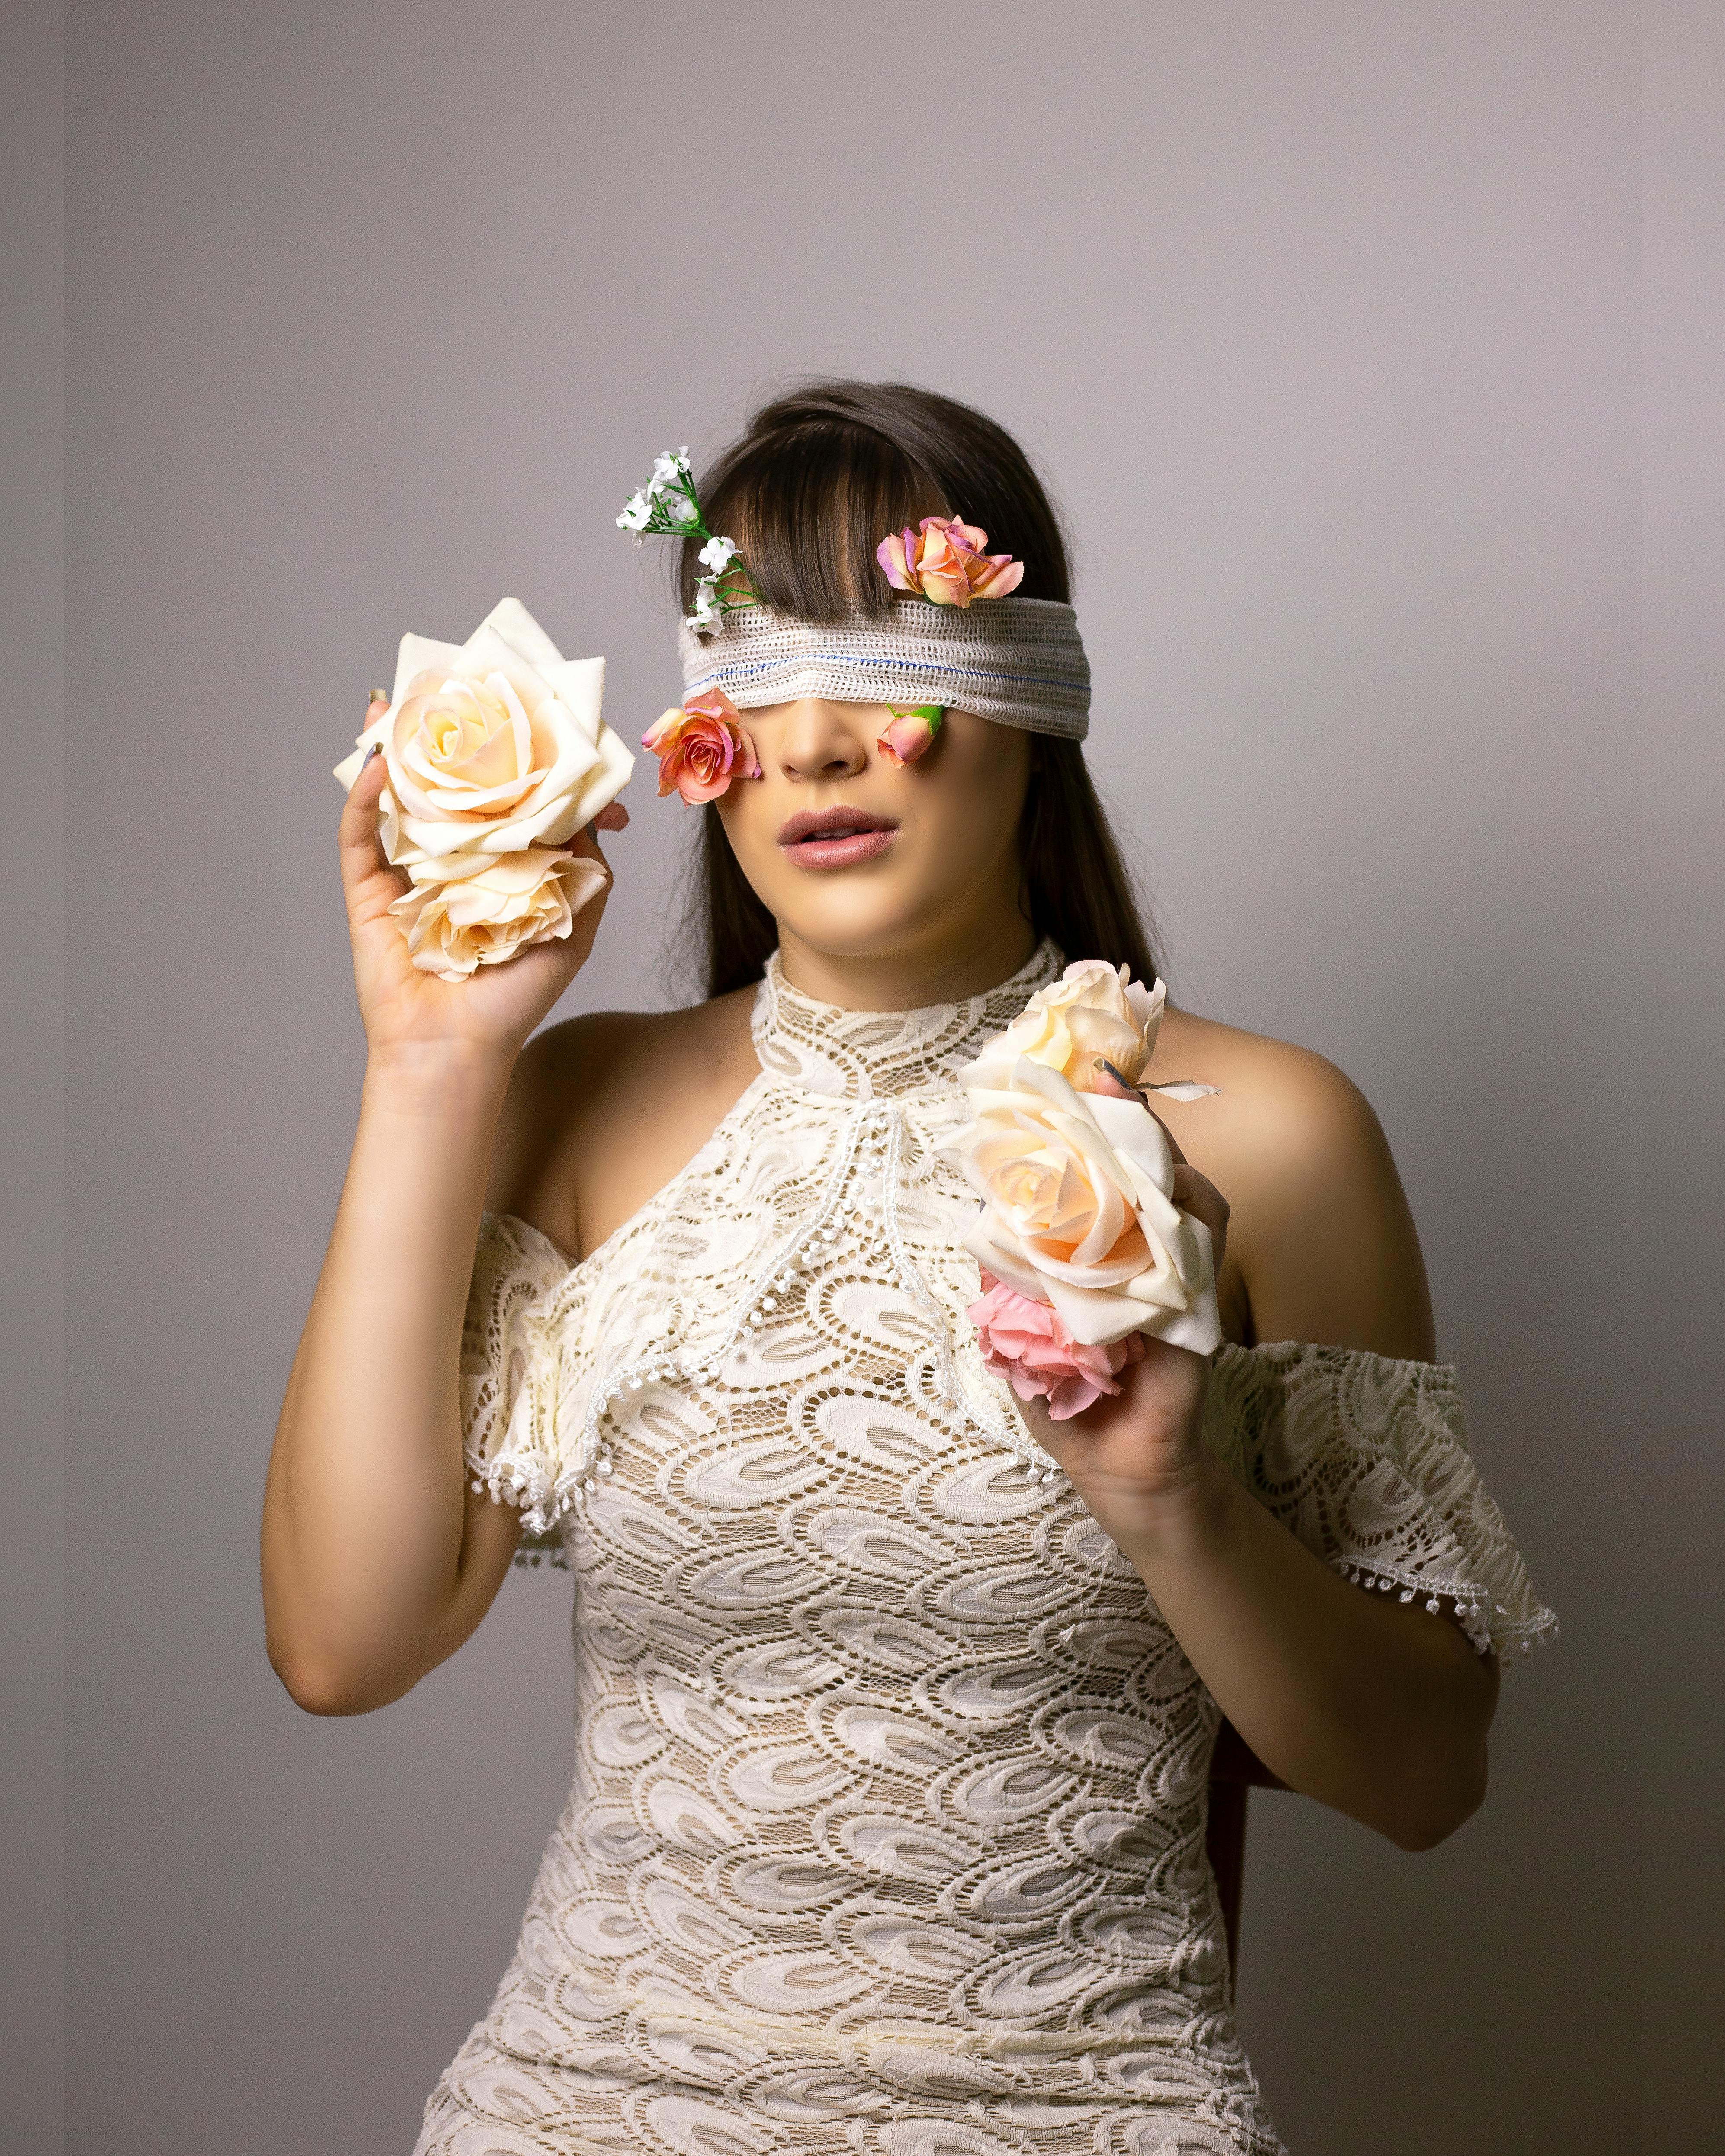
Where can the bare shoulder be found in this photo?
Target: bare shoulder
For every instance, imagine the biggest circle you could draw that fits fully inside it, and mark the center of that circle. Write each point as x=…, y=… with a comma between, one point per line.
x=1279, y=1108
x=604, y=1109
x=1321, y=1244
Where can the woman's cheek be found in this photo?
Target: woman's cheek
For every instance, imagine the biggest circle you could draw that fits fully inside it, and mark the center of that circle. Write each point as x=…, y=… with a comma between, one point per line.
x=746, y=821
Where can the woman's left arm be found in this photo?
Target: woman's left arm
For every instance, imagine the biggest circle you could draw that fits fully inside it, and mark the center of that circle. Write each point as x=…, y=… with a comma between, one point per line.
x=1377, y=1707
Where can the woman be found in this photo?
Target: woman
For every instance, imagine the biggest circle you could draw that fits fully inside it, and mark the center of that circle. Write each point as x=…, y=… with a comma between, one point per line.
x=887, y=1828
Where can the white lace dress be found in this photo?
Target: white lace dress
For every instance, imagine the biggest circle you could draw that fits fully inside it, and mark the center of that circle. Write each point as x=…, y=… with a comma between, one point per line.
x=887, y=1831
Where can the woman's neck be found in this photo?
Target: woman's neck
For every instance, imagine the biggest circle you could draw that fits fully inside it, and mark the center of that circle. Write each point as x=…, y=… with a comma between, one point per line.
x=937, y=971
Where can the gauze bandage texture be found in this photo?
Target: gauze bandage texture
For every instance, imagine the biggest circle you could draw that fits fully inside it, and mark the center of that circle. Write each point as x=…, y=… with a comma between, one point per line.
x=1018, y=661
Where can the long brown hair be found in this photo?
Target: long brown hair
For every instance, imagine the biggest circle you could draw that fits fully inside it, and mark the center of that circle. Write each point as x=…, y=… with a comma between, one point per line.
x=816, y=480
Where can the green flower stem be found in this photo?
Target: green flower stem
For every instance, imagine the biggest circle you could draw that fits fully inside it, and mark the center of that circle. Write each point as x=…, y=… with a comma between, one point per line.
x=693, y=526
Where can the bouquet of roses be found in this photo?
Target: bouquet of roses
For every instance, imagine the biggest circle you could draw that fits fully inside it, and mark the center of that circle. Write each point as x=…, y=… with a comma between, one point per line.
x=496, y=757
x=1081, y=1246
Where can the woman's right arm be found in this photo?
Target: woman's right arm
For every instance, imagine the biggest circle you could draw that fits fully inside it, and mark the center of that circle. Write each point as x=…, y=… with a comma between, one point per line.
x=377, y=1559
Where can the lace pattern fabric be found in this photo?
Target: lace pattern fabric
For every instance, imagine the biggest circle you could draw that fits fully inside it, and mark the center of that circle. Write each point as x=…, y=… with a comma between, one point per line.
x=1366, y=1460
x=886, y=1832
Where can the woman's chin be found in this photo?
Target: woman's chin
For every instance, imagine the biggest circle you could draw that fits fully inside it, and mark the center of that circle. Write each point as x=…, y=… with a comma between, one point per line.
x=854, y=940
x=929, y=936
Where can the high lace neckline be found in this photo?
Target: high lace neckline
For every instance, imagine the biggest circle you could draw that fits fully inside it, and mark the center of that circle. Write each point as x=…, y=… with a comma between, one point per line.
x=850, y=1054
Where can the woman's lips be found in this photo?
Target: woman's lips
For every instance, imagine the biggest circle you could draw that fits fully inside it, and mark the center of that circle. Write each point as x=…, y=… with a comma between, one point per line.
x=835, y=838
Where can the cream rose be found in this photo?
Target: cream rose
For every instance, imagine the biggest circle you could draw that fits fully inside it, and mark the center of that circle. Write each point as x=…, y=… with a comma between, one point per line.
x=495, y=756
x=1078, y=1206
x=1095, y=1012
x=480, y=909
x=492, y=746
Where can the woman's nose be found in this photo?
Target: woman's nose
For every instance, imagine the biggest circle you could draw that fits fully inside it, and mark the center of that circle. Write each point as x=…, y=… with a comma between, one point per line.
x=822, y=740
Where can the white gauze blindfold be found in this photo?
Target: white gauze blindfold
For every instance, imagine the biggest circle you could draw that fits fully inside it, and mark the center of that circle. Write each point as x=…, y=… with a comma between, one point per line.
x=1020, y=662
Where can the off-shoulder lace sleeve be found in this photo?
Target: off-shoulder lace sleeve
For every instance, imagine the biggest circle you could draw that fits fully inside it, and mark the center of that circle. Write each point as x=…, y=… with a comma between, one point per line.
x=1366, y=1460
x=505, y=1374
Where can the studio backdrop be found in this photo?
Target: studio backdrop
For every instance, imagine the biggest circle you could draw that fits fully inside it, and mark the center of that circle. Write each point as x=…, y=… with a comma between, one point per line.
x=1323, y=323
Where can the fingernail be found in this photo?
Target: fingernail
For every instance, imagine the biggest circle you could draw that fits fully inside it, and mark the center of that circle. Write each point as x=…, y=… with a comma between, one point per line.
x=370, y=753
x=1128, y=1090
x=376, y=696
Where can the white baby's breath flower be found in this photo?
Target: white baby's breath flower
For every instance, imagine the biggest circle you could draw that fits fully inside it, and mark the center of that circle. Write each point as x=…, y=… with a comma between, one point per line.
x=717, y=555
x=668, y=467
x=636, y=512
x=706, y=609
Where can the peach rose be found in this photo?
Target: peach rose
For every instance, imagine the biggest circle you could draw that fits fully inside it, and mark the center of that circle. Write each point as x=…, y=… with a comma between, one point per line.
x=1094, y=1013
x=1078, y=1209
x=480, y=909
x=492, y=746
x=701, y=747
x=1031, y=1349
x=944, y=561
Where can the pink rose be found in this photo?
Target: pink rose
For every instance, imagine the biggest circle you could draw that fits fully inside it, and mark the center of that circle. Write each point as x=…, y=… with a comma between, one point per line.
x=912, y=732
x=943, y=560
x=1029, y=1344
x=702, y=747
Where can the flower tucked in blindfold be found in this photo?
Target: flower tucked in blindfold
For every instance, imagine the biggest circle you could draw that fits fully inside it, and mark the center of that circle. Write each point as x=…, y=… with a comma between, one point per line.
x=702, y=747
x=912, y=732
x=668, y=505
x=944, y=561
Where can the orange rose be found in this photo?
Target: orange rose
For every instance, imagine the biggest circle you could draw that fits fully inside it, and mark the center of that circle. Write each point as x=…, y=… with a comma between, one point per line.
x=701, y=747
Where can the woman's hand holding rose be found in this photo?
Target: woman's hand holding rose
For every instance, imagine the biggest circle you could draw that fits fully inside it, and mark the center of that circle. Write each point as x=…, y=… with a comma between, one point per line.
x=1098, y=1245
x=408, y=1012
x=470, y=842
x=1138, y=1459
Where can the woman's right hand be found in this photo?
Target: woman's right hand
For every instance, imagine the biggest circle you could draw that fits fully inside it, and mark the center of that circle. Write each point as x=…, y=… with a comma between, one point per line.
x=378, y=1561
x=408, y=1013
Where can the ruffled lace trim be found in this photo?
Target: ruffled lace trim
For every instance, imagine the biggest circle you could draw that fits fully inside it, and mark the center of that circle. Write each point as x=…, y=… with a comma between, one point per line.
x=823, y=1196
x=1366, y=1459
x=556, y=1359
x=504, y=1347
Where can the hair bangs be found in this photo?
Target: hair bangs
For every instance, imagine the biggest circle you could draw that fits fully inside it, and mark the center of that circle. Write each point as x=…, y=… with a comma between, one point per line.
x=822, y=475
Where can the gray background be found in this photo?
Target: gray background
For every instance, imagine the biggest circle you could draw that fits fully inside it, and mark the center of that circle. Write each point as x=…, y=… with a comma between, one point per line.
x=1370, y=349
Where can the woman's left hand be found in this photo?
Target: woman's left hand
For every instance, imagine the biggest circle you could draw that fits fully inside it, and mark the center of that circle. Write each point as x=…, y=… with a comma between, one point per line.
x=1138, y=1459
